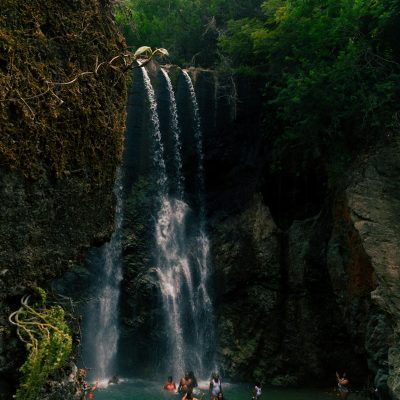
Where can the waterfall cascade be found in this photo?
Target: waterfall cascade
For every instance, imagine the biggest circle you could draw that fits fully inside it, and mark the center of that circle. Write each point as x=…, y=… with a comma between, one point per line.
x=100, y=328
x=181, y=250
x=175, y=130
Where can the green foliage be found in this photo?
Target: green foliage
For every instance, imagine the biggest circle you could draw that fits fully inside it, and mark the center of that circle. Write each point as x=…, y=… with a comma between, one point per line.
x=188, y=28
x=239, y=42
x=47, y=339
x=333, y=71
x=332, y=66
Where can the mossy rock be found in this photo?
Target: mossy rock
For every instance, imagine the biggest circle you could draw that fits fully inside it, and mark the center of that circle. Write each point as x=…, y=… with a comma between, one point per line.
x=50, y=127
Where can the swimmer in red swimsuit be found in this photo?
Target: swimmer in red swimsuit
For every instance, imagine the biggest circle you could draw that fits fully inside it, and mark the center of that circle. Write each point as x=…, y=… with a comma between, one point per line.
x=90, y=393
x=170, y=384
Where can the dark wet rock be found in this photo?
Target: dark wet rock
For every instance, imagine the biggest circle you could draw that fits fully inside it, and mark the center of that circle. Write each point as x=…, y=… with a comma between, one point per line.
x=247, y=292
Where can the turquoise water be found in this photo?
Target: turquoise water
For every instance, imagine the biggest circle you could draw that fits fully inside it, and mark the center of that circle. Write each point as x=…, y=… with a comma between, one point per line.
x=130, y=389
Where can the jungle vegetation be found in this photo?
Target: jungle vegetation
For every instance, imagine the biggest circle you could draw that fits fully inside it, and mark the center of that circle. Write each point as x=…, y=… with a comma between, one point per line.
x=330, y=69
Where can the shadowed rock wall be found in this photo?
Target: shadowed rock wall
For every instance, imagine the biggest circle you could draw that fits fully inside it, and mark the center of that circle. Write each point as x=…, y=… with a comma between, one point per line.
x=373, y=202
x=316, y=291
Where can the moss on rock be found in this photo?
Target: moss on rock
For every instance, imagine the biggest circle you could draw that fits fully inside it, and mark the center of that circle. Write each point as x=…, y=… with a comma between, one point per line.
x=49, y=126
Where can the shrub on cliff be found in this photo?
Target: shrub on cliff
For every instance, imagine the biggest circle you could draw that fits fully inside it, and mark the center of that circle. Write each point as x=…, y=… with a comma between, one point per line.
x=47, y=339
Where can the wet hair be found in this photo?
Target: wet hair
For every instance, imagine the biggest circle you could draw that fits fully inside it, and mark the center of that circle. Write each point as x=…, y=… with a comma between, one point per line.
x=170, y=378
x=258, y=384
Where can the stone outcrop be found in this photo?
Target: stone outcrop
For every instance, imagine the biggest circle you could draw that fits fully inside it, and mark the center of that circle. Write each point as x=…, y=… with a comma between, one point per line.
x=373, y=200
x=248, y=293
x=339, y=287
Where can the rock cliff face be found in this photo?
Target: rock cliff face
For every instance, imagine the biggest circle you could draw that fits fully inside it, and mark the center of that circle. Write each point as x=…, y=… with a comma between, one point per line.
x=373, y=200
x=60, y=144
x=307, y=279
x=278, y=315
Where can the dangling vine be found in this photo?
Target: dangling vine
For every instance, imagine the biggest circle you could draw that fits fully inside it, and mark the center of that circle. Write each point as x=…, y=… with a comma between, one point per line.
x=47, y=339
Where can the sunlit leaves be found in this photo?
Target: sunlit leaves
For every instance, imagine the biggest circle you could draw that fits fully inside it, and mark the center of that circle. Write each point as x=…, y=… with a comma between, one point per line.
x=143, y=51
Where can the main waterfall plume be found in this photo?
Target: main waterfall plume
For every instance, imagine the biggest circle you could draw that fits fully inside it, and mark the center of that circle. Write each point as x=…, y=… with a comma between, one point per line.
x=181, y=247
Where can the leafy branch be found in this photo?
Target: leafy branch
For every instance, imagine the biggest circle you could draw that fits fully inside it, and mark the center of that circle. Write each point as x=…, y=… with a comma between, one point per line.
x=46, y=336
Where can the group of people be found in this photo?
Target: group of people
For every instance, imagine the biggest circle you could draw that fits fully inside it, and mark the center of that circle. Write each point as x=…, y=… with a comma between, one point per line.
x=188, y=384
x=188, y=387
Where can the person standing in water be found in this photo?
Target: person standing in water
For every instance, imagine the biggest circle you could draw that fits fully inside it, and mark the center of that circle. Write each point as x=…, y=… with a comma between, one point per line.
x=343, y=385
x=170, y=384
x=185, y=383
x=256, y=391
x=193, y=378
x=215, y=386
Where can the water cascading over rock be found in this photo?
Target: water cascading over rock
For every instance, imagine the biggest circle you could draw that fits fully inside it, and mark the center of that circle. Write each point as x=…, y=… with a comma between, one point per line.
x=180, y=248
x=100, y=325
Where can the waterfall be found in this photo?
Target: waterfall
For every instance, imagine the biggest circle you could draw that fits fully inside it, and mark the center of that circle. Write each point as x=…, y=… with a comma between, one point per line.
x=158, y=153
x=206, y=333
x=176, y=133
x=100, y=328
x=181, y=251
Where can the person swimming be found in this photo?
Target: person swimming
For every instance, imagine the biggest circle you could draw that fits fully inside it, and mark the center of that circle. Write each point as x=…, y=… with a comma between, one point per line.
x=170, y=384
x=91, y=390
x=193, y=378
x=114, y=380
x=343, y=385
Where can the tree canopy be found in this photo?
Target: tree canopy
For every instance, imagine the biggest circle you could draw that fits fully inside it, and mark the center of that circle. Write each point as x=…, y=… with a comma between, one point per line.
x=331, y=68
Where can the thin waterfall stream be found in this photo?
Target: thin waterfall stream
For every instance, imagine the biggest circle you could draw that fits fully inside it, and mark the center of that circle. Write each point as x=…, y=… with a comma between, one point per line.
x=174, y=125
x=100, y=324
